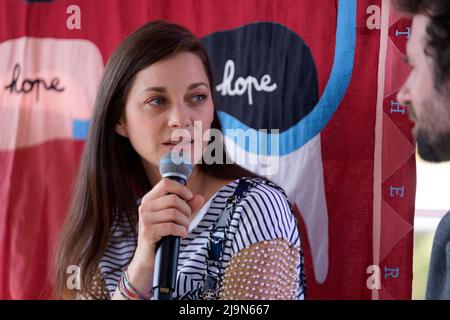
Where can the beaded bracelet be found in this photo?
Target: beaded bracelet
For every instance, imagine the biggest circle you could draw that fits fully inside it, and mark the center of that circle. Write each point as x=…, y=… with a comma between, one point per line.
x=127, y=291
x=119, y=286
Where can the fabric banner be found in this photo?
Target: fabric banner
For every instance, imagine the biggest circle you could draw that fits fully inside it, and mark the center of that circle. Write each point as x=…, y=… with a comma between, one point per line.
x=314, y=81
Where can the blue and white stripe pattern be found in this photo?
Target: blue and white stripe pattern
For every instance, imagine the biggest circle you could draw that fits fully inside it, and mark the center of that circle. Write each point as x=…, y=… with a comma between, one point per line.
x=264, y=213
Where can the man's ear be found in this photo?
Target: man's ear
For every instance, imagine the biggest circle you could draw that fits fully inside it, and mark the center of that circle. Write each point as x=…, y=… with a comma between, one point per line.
x=120, y=128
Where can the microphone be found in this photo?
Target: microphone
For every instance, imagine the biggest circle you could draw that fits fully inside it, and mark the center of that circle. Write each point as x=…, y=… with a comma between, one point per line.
x=166, y=259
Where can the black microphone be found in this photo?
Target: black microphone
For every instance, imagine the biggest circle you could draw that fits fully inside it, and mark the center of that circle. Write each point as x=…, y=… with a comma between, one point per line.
x=166, y=260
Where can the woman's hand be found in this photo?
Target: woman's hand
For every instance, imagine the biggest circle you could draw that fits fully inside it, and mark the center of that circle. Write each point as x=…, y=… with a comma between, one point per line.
x=165, y=210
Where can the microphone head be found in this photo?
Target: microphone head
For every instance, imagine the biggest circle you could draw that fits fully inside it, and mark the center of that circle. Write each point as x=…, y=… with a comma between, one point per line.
x=178, y=166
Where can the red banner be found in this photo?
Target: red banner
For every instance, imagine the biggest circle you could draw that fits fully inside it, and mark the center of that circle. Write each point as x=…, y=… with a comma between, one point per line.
x=346, y=155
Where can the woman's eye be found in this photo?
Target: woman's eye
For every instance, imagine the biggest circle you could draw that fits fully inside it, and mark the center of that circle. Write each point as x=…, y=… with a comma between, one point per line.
x=159, y=101
x=198, y=98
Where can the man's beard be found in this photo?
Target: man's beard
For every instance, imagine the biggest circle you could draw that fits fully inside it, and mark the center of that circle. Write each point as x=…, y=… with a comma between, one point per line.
x=434, y=150
x=432, y=145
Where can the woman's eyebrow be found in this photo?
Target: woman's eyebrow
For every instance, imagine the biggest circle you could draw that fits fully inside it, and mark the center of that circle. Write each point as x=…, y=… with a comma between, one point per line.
x=197, y=84
x=163, y=89
x=157, y=89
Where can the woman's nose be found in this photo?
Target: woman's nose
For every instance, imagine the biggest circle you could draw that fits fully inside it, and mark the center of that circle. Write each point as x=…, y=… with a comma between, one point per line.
x=180, y=116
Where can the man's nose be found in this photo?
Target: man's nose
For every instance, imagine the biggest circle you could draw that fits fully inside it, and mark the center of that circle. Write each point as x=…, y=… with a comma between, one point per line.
x=403, y=95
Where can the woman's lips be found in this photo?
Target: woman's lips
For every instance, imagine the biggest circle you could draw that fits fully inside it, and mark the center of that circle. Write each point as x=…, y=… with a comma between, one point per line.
x=170, y=146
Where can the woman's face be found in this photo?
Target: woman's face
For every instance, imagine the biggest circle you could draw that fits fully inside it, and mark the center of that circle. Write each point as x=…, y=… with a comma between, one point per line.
x=168, y=95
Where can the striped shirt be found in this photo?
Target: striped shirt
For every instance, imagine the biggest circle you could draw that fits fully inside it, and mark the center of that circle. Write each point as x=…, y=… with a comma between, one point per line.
x=264, y=213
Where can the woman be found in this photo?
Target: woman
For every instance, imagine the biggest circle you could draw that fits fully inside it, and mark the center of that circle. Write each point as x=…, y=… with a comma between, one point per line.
x=157, y=81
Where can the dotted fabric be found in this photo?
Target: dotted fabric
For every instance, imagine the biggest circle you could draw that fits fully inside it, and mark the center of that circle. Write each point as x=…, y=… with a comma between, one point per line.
x=98, y=290
x=264, y=271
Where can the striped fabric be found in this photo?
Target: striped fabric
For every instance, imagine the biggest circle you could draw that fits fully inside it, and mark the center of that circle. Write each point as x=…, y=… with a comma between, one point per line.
x=264, y=213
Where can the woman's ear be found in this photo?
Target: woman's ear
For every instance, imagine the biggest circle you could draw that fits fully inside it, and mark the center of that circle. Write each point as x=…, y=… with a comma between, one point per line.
x=120, y=128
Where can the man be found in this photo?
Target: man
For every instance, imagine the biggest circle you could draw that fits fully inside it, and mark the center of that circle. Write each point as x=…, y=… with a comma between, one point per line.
x=426, y=93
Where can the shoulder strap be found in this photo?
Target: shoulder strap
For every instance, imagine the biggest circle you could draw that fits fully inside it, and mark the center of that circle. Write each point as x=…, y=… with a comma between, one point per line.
x=216, y=242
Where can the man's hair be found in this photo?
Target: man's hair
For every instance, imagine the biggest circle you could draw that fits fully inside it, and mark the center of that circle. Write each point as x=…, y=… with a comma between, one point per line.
x=438, y=33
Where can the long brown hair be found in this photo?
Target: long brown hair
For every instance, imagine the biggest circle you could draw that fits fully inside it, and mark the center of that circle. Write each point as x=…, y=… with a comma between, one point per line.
x=111, y=176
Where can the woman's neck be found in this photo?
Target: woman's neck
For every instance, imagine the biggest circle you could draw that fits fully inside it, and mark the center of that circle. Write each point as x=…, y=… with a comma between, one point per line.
x=197, y=181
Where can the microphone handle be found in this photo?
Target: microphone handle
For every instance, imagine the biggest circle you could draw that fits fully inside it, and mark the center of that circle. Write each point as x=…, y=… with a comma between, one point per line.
x=166, y=263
